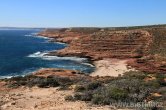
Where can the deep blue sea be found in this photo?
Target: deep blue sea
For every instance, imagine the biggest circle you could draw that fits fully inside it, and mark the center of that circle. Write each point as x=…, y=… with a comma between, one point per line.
x=22, y=52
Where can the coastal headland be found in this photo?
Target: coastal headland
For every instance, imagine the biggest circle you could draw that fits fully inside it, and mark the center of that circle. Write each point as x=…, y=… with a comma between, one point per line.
x=130, y=67
x=137, y=45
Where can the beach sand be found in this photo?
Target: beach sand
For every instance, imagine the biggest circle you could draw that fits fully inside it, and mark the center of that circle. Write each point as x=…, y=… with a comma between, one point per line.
x=111, y=67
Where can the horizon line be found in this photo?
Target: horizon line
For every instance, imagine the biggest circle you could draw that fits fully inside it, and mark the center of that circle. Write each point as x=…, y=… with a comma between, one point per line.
x=84, y=26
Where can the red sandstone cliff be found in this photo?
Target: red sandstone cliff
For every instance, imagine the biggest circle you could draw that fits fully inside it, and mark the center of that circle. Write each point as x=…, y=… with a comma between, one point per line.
x=103, y=43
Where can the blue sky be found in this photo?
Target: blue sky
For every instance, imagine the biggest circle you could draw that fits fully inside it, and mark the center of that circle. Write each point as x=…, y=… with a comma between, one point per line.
x=85, y=13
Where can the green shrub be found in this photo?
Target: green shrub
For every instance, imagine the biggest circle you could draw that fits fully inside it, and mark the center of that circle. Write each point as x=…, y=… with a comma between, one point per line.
x=42, y=83
x=77, y=96
x=117, y=93
x=64, y=81
x=79, y=88
x=135, y=74
x=31, y=80
x=34, y=81
x=153, y=84
x=52, y=82
x=86, y=96
x=13, y=85
x=18, y=78
x=22, y=83
x=93, y=85
x=130, y=88
x=49, y=82
x=107, y=95
x=69, y=98
x=161, y=79
x=162, y=90
x=98, y=99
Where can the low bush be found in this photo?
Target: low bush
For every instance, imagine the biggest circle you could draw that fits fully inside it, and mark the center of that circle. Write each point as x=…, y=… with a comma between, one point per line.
x=98, y=100
x=93, y=85
x=64, y=81
x=161, y=79
x=135, y=74
x=13, y=85
x=79, y=88
x=49, y=82
x=42, y=82
x=18, y=78
x=77, y=96
x=107, y=95
x=69, y=98
x=52, y=82
x=128, y=88
x=86, y=96
x=117, y=93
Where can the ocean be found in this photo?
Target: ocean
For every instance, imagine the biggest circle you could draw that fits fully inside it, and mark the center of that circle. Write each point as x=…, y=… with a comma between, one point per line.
x=23, y=52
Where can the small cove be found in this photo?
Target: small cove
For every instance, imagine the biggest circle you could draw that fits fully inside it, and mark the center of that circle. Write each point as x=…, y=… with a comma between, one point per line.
x=22, y=52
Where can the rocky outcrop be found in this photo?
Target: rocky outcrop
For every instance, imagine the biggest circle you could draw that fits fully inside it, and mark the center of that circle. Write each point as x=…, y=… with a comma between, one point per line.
x=118, y=44
x=149, y=64
x=61, y=35
x=59, y=73
x=106, y=43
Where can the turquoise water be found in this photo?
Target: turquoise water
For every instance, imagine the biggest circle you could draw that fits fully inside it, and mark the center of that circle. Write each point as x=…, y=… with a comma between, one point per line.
x=22, y=52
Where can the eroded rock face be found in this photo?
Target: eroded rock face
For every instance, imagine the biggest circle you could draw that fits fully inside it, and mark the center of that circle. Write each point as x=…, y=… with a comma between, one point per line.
x=61, y=35
x=149, y=64
x=101, y=43
x=118, y=44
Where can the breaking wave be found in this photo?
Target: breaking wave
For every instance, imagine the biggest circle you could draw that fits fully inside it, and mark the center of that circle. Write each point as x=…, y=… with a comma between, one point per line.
x=88, y=64
x=42, y=37
x=34, y=35
x=37, y=36
x=44, y=56
x=28, y=35
x=22, y=73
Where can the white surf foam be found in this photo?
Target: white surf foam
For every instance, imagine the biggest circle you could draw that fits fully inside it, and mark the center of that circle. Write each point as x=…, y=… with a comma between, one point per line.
x=7, y=77
x=42, y=37
x=37, y=36
x=23, y=73
x=29, y=35
x=88, y=64
x=60, y=43
x=44, y=56
x=64, y=58
x=37, y=54
x=34, y=33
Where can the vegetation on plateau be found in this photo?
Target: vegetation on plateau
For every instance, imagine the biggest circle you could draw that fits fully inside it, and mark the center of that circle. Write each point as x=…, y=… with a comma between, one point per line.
x=133, y=87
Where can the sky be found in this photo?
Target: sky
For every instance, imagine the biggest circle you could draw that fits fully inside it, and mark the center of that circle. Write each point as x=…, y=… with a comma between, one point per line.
x=81, y=13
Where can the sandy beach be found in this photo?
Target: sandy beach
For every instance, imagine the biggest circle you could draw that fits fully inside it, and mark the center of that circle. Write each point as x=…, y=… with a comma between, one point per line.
x=110, y=67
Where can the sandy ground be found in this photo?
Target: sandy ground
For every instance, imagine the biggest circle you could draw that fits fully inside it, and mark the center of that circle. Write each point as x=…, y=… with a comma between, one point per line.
x=110, y=67
x=52, y=98
x=42, y=99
